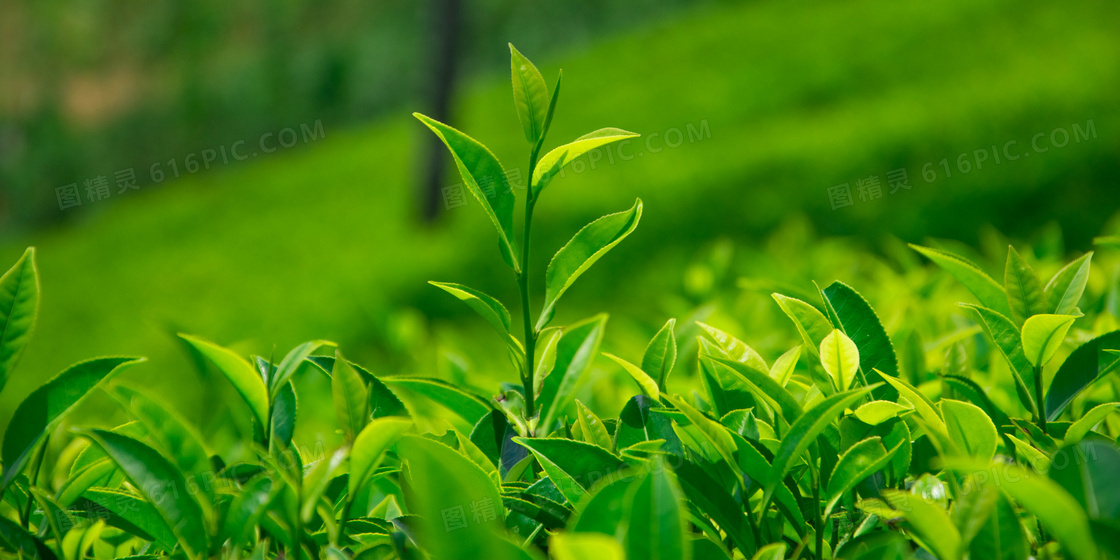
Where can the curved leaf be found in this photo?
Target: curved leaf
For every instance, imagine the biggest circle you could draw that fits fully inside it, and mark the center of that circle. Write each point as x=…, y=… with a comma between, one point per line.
x=765, y=387
x=44, y=408
x=661, y=353
x=810, y=322
x=1086, y=423
x=489, y=308
x=1043, y=335
x=970, y=428
x=921, y=403
x=1064, y=290
x=1024, y=291
x=239, y=372
x=135, y=512
x=586, y=246
x=530, y=96
x=551, y=163
x=855, y=465
x=1084, y=365
x=656, y=517
x=1006, y=336
x=859, y=321
x=574, y=353
x=485, y=179
x=350, y=397
x=291, y=362
x=645, y=382
x=932, y=524
x=585, y=546
x=732, y=348
x=468, y=406
x=592, y=428
x=574, y=466
x=988, y=291
x=19, y=305
x=840, y=358
x=371, y=443
x=18, y=540
x=382, y=401
x=877, y=412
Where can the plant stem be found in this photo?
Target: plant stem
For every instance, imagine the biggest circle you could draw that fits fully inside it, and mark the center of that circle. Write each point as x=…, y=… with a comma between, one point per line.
x=31, y=482
x=527, y=380
x=817, y=514
x=1038, y=396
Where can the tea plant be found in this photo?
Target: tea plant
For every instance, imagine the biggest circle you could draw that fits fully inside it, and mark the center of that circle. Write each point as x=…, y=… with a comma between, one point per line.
x=836, y=449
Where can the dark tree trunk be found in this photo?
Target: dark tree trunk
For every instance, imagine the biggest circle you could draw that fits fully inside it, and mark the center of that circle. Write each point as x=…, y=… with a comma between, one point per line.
x=445, y=23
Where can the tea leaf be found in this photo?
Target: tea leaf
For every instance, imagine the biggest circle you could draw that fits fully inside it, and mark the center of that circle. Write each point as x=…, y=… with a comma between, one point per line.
x=19, y=306
x=1024, y=291
x=1043, y=335
x=369, y=446
x=1084, y=365
x=574, y=353
x=468, y=406
x=1064, y=289
x=646, y=383
x=661, y=353
x=350, y=399
x=859, y=321
x=1086, y=423
x=988, y=291
x=239, y=372
x=970, y=428
x=489, y=308
x=554, y=161
x=656, y=517
x=530, y=96
x=840, y=358
x=584, y=546
x=573, y=466
x=810, y=322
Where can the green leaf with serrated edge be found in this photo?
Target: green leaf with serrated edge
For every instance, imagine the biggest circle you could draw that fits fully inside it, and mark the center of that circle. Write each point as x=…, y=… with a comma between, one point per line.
x=291, y=362
x=594, y=432
x=468, y=406
x=856, y=464
x=974, y=393
x=573, y=466
x=575, y=351
x=478, y=167
x=646, y=383
x=177, y=437
x=1086, y=423
x=763, y=386
x=586, y=247
x=1024, y=291
x=282, y=426
x=1006, y=336
x=555, y=160
x=240, y=374
x=732, y=348
x=246, y=508
x=929, y=521
x=161, y=484
x=970, y=428
x=55, y=516
x=988, y=291
x=530, y=96
x=1064, y=289
x=1043, y=335
x=783, y=367
x=18, y=540
x=713, y=432
x=93, y=474
x=1058, y=512
x=44, y=408
x=371, y=443
x=810, y=322
x=585, y=546
x=487, y=307
x=877, y=412
x=711, y=498
x=19, y=306
x=656, y=517
x=135, y=511
x=1086, y=364
x=350, y=398
x=921, y=403
x=661, y=353
x=859, y=321
x=804, y=432
x=840, y=358
x=382, y=401
x=753, y=464
x=445, y=490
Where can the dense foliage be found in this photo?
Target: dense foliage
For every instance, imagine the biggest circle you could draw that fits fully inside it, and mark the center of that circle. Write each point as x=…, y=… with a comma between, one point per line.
x=845, y=446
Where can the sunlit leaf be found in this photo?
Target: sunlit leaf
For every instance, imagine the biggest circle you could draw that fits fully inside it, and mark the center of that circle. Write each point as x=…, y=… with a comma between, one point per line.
x=1024, y=291
x=1064, y=290
x=530, y=96
x=554, y=161
x=19, y=306
x=575, y=351
x=988, y=291
x=240, y=374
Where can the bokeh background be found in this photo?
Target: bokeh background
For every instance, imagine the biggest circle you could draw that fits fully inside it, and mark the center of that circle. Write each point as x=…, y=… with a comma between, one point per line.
x=334, y=234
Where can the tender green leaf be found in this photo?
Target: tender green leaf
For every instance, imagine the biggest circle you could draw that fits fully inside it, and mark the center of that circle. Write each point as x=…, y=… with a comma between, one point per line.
x=574, y=353
x=661, y=353
x=1083, y=425
x=460, y=511
x=382, y=401
x=656, y=518
x=239, y=372
x=468, y=406
x=16, y=539
x=586, y=247
x=921, y=403
x=988, y=291
x=135, y=512
x=1043, y=335
x=573, y=466
x=1087, y=471
x=804, y=432
x=645, y=382
x=877, y=412
x=19, y=305
x=369, y=446
x=1058, y=512
x=1006, y=336
x=551, y=163
x=855, y=465
x=291, y=362
x=161, y=484
x=478, y=167
x=810, y=322
x=762, y=386
x=970, y=428
x=712, y=499
x=1024, y=291
x=594, y=432
x=733, y=349
x=930, y=522
x=530, y=96
x=1064, y=290
x=636, y=424
x=246, y=509
x=285, y=409
x=773, y=551
x=1086, y=364
x=585, y=546
x=601, y=510
x=713, y=432
x=350, y=397
x=1001, y=537
x=859, y=321
x=44, y=408
x=783, y=367
x=753, y=464
x=489, y=308
x=840, y=358
x=316, y=481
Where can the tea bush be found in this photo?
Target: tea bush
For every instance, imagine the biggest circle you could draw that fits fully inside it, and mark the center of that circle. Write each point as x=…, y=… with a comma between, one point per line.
x=848, y=444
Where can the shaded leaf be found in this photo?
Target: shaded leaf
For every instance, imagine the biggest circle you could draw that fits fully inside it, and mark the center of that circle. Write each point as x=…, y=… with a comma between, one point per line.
x=1024, y=291
x=19, y=306
x=575, y=351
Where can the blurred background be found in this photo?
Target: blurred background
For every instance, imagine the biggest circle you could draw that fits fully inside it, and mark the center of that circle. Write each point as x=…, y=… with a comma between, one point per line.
x=250, y=173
